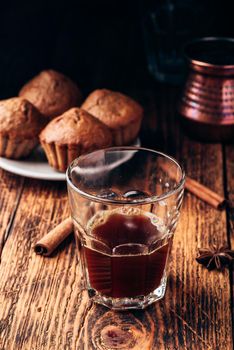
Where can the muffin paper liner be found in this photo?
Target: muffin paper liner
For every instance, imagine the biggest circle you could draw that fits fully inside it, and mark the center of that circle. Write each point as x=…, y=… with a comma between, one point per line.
x=126, y=135
x=60, y=156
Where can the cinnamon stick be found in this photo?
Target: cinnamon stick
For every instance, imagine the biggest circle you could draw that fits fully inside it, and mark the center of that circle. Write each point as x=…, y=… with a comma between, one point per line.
x=49, y=242
x=204, y=193
x=199, y=190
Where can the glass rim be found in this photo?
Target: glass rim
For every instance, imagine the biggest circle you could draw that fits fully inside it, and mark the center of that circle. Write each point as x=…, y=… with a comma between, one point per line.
x=142, y=201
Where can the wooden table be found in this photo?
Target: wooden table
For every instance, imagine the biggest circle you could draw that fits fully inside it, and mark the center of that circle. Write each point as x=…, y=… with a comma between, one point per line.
x=42, y=304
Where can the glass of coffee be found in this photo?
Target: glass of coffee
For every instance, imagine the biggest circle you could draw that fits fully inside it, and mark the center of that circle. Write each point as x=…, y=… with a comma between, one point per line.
x=125, y=204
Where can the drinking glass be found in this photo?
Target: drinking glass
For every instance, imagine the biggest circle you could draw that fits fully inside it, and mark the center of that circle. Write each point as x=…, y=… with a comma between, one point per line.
x=125, y=204
x=167, y=26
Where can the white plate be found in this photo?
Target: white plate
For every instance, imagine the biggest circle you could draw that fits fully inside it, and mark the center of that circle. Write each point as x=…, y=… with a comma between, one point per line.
x=36, y=166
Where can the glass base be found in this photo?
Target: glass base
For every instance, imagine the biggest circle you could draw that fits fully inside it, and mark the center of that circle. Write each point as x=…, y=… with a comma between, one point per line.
x=140, y=302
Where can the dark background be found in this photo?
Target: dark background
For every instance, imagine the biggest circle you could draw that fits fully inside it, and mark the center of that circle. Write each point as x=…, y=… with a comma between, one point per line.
x=97, y=43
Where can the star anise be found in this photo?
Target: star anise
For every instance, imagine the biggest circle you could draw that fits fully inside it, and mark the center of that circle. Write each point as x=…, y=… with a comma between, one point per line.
x=215, y=258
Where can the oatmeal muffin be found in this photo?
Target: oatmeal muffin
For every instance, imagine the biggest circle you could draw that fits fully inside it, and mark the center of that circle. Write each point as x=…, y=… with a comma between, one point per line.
x=119, y=112
x=52, y=93
x=20, y=125
x=73, y=133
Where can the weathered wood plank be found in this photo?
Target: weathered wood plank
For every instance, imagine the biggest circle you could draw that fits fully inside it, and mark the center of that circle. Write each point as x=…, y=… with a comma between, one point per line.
x=40, y=297
x=43, y=305
x=202, y=300
x=229, y=156
x=203, y=297
x=11, y=188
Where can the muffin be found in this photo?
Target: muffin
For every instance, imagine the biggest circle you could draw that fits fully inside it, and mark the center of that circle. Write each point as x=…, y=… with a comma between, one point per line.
x=73, y=133
x=52, y=93
x=20, y=125
x=120, y=113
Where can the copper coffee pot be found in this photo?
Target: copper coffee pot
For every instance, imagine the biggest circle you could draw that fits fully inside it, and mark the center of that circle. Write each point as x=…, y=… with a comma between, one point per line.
x=207, y=104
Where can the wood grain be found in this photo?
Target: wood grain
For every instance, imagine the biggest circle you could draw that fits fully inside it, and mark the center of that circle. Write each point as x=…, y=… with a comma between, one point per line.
x=229, y=183
x=196, y=297
x=11, y=188
x=43, y=304
x=42, y=297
